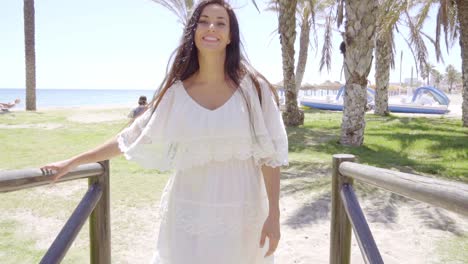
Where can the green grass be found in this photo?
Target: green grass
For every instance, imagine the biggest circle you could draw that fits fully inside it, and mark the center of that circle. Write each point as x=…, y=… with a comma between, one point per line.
x=454, y=250
x=15, y=248
x=436, y=146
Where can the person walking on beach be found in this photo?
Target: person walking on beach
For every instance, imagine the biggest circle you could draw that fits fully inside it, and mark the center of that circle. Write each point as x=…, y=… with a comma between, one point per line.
x=142, y=105
x=216, y=123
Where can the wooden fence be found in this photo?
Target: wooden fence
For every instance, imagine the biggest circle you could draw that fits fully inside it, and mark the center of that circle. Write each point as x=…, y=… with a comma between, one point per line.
x=346, y=211
x=95, y=205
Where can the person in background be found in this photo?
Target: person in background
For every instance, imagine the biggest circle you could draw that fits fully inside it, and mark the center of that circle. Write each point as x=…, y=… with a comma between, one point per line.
x=142, y=105
x=5, y=107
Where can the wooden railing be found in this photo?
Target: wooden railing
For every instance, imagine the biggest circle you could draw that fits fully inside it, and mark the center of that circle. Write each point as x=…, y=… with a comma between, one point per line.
x=346, y=211
x=95, y=205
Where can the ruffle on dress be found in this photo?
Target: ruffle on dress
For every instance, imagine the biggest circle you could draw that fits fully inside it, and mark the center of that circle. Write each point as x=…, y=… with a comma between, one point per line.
x=181, y=134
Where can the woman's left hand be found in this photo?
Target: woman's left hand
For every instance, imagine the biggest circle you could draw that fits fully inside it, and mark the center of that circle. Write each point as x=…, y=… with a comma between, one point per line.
x=271, y=229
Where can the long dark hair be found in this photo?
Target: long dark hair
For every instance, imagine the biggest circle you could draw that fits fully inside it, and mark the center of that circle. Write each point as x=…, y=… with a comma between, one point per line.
x=185, y=62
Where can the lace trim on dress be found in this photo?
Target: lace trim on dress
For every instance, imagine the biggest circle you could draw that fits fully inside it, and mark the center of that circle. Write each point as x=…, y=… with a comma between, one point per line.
x=189, y=154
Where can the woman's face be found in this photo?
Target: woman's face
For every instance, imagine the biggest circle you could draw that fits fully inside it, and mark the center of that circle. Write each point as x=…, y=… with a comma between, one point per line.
x=213, y=32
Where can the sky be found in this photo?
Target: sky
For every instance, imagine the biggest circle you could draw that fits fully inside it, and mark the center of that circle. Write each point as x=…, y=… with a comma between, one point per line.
x=126, y=44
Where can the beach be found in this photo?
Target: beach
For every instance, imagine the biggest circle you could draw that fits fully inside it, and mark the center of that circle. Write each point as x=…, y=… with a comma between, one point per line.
x=405, y=231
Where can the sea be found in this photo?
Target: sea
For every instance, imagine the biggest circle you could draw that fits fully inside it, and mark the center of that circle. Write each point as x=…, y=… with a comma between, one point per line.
x=72, y=98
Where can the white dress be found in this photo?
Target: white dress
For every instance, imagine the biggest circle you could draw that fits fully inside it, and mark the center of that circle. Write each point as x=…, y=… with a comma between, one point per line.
x=214, y=205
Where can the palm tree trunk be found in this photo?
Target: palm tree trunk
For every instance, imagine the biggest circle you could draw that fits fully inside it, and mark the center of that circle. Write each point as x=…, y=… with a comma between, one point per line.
x=287, y=27
x=30, y=54
x=359, y=33
x=462, y=6
x=383, y=51
x=304, y=40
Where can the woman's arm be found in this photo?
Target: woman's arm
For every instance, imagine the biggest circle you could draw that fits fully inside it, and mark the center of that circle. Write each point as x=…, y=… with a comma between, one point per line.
x=271, y=228
x=271, y=176
x=103, y=152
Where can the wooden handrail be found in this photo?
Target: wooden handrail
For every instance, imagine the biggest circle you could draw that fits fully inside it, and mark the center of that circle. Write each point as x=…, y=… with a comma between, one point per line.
x=14, y=180
x=346, y=211
x=452, y=196
x=96, y=200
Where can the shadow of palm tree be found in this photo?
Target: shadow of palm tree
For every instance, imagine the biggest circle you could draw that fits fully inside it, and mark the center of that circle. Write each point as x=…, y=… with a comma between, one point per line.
x=381, y=206
x=300, y=169
x=437, y=218
x=311, y=212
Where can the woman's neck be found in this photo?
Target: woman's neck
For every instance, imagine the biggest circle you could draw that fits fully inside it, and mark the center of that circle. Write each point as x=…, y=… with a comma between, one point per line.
x=211, y=68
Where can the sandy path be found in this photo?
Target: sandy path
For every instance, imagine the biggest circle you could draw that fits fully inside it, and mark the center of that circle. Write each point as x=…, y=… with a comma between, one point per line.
x=405, y=231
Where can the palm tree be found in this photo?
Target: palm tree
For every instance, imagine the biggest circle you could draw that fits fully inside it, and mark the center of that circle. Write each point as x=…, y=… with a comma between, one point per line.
x=305, y=10
x=436, y=77
x=391, y=15
x=452, y=17
x=452, y=76
x=428, y=69
x=30, y=54
x=306, y=13
x=462, y=11
x=359, y=29
x=293, y=116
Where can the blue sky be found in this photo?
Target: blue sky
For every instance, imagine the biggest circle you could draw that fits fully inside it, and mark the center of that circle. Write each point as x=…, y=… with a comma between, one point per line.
x=126, y=44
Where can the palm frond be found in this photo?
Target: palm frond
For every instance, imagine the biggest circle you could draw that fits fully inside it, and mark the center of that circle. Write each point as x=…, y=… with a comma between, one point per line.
x=416, y=41
x=447, y=20
x=423, y=13
x=389, y=15
x=256, y=6
x=178, y=7
x=272, y=6
x=312, y=12
x=437, y=48
x=327, y=45
x=453, y=23
x=414, y=55
x=339, y=13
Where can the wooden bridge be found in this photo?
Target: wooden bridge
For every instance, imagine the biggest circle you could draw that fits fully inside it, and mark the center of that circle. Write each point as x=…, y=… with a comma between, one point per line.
x=346, y=212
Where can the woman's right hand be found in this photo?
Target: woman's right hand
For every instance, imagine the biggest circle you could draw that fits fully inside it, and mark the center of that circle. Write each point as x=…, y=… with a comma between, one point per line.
x=59, y=168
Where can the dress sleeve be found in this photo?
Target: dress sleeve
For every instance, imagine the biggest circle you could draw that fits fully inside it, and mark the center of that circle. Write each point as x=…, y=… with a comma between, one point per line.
x=129, y=135
x=144, y=141
x=275, y=128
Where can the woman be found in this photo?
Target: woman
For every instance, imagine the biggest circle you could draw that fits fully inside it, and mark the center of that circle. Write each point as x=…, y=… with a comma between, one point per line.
x=216, y=123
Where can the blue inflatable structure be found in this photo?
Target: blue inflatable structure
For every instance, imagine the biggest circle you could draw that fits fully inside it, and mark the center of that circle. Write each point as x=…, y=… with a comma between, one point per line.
x=438, y=106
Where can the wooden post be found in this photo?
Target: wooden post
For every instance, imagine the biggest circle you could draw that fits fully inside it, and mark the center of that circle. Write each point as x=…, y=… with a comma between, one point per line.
x=67, y=235
x=340, y=237
x=369, y=250
x=99, y=221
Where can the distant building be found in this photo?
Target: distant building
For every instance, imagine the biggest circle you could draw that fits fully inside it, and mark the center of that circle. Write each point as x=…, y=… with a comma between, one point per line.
x=416, y=82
